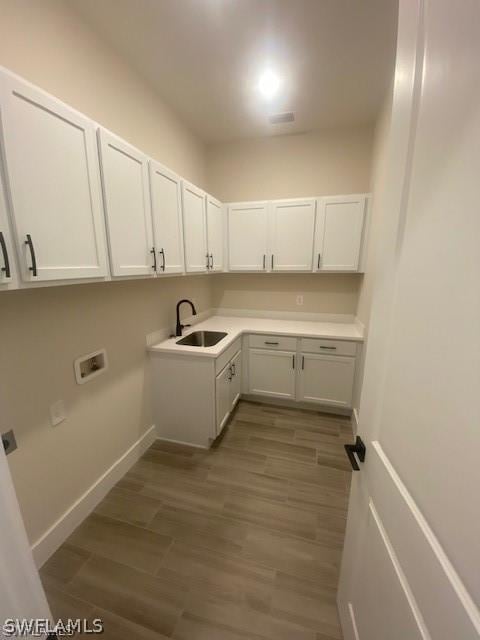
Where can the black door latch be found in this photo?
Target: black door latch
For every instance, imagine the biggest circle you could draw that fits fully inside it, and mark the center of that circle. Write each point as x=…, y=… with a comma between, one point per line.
x=359, y=449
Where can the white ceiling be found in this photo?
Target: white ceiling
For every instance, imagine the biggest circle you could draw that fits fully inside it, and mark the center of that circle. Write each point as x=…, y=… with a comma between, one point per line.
x=204, y=58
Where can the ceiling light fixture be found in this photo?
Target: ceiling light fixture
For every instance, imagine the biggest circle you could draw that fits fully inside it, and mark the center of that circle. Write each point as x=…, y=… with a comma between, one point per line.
x=268, y=84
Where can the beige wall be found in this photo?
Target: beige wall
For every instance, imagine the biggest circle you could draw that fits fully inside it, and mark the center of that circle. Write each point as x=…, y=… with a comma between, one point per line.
x=328, y=162
x=334, y=293
x=42, y=331
x=46, y=43
x=380, y=147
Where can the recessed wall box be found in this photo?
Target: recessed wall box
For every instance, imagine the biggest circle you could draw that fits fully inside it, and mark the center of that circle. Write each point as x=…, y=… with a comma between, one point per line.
x=90, y=366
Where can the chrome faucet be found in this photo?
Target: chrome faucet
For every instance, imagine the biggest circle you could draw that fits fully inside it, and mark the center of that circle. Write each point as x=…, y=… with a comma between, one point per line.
x=179, y=327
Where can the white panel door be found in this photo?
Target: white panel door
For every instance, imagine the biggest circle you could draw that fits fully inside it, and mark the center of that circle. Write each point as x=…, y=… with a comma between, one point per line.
x=53, y=174
x=166, y=194
x=326, y=379
x=127, y=207
x=292, y=224
x=247, y=236
x=194, y=228
x=411, y=561
x=236, y=384
x=339, y=233
x=8, y=276
x=223, y=385
x=271, y=373
x=215, y=238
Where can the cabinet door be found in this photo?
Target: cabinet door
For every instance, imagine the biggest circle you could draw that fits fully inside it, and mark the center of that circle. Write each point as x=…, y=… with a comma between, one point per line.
x=215, y=233
x=339, y=233
x=292, y=224
x=8, y=277
x=236, y=383
x=326, y=379
x=127, y=207
x=166, y=194
x=247, y=236
x=53, y=175
x=271, y=373
x=194, y=228
x=223, y=397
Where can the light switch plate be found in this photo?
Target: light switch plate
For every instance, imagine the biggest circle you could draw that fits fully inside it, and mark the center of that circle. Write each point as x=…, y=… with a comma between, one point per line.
x=57, y=413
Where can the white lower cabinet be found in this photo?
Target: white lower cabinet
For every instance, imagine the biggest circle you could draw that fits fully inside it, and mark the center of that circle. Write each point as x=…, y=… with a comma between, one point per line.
x=326, y=379
x=227, y=390
x=272, y=373
x=195, y=395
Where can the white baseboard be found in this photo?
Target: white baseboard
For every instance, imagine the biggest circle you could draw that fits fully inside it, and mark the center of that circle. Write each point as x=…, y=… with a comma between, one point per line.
x=295, y=404
x=186, y=444
x=49, y=542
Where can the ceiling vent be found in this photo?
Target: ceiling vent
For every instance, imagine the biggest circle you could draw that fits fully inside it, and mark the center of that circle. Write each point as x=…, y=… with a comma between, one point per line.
x=281, y=118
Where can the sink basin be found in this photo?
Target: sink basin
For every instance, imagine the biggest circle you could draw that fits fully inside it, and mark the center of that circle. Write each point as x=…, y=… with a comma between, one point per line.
x=202, y=338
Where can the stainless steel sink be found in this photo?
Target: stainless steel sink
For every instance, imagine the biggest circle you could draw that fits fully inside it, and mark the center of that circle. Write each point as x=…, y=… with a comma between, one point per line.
x=202, y=338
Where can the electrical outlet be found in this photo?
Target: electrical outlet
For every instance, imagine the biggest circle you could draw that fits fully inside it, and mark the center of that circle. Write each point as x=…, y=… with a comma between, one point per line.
x=57, y=413
x=299, y=301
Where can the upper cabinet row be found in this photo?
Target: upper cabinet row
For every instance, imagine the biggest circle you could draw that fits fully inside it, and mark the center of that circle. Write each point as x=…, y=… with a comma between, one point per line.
x=66, y=212
x=78, y=195
x=324, y=234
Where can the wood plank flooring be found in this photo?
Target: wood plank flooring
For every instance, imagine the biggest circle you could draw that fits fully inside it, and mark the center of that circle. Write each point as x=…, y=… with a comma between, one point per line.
x=240, y=542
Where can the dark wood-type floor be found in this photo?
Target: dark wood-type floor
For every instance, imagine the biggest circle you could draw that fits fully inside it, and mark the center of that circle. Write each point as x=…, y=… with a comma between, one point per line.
x=240, y=542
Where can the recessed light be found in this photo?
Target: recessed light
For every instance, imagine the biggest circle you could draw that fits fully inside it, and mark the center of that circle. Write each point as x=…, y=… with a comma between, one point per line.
x=268, y=84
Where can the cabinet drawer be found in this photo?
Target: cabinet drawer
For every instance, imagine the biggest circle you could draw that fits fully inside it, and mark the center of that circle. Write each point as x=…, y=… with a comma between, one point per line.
x=225, y=357
x=274, y=343
x=332, y=347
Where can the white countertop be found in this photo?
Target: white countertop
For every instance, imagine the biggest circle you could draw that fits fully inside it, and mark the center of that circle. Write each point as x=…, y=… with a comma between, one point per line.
x=236, y=326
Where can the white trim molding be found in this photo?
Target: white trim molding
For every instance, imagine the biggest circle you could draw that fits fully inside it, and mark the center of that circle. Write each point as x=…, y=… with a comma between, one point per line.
x=49, y=542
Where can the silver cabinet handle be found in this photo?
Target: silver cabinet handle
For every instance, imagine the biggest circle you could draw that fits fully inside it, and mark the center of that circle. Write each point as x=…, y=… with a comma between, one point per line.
x=272, y=261
x=154, y=254
x=211, y=261
x=162, y=253
x=266, y=342
x=229, y=378
x=29, y=244
x=6, y=261
x=293, y=362
x=233, y=369
x=207, y=255
x=303, y=362
x=264, y=261
x=318, y=261
x=329, y=348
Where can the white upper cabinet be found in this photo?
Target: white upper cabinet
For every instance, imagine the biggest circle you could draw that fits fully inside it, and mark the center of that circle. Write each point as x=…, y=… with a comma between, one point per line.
x=8, y=277
x=339, y=232
x=53, y=174
x=166, y=194
x=215, y=238
x=194, y=226
x=127, y=207
x=292, y=224
x=247, y=236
